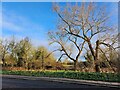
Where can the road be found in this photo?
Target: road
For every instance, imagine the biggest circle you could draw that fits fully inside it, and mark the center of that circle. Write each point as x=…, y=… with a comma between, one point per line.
x=20, y=83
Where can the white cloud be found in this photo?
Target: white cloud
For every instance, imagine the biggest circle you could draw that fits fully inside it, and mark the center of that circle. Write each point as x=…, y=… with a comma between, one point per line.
x=37, y=42
x=11, y=26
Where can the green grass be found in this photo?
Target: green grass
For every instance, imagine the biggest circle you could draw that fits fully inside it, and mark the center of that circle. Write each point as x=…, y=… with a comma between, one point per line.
x=110, y=77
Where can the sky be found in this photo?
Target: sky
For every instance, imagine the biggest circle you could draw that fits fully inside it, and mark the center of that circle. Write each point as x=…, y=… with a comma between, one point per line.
x=28, y=19
x=35, y=19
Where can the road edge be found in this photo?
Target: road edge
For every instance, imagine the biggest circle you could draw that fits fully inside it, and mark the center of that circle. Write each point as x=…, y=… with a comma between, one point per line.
x=66, y=80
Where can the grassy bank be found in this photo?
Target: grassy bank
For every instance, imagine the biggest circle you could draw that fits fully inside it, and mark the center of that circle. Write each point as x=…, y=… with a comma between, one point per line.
x=111, y=77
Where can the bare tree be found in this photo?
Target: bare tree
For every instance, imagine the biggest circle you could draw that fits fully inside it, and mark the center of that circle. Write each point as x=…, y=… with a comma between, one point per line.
x=67, y=45
x=85, y=21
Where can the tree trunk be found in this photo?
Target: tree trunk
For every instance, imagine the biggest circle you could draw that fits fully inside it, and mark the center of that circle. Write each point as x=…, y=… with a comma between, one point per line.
x=95, y=56
x=75, y=65
x=91, y=49
x=43, y=60
x=3, y=60
x=97, y=67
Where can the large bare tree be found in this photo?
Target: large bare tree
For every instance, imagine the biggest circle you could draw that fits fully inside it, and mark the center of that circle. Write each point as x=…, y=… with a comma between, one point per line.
x=86, y=22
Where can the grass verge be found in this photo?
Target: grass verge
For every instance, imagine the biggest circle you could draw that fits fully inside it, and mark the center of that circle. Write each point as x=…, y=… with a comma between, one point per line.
x=109, y=77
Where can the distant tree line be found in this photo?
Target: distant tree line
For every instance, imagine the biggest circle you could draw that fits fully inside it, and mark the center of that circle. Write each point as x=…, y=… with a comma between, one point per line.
x=23, y=54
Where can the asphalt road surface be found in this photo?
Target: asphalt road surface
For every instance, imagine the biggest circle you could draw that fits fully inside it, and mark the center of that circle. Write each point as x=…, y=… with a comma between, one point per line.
x=19, y=83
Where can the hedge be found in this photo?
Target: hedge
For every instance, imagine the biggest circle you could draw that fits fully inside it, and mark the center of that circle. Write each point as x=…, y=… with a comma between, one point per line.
x=111, y=77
